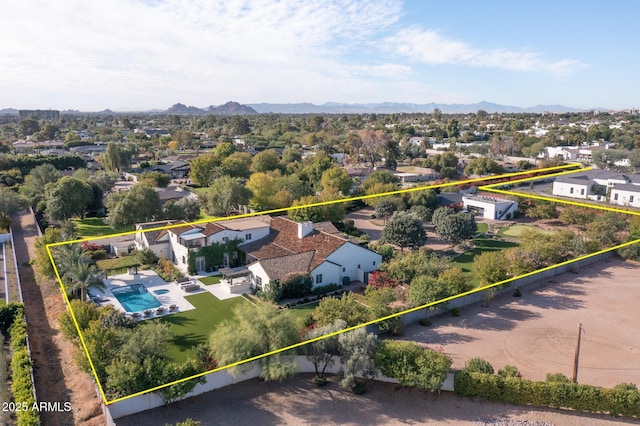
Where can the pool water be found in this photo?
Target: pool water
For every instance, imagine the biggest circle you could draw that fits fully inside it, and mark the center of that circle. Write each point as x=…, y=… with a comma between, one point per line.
x=135, y=298
x=161, y=291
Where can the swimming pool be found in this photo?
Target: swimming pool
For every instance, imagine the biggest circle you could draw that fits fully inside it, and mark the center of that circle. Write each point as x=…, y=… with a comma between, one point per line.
x=135, y=298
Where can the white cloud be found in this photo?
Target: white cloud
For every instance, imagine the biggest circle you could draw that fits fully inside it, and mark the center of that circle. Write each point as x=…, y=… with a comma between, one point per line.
x=207, y=51
x=430, y=47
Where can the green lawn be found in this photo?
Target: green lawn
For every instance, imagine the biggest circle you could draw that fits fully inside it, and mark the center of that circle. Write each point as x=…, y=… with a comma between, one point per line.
x=211, y=280
x=482, y=228
x=516, y=230
x=193, y=327
x=465, y=261
x=95, y=227
x=303, y=312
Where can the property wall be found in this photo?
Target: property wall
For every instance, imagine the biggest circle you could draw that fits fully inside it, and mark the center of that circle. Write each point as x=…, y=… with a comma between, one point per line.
x=218, y=380
x=350, y=256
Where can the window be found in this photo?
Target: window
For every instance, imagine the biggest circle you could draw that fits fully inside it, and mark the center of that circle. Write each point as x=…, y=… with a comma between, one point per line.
x=615, y=196
x=225, y=239
x=259, y=281
x=571, y=190
x=631, y=198
x=344, y=269
x=582, y=191
x=318, y=278
x=184, y=260
x=358, y=266
x=235, y=254
x=374, y=263
x=247, y=236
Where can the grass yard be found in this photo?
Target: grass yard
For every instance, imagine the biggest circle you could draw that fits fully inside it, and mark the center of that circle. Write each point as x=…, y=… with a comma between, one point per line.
x=95, y=227
x=302, y=312
x=465, y=260
x=482, y=228
x=193, y=327
x=516, y=230
x=210, y=280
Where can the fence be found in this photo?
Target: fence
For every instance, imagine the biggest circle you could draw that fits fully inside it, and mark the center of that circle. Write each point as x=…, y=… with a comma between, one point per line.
x=218, y=380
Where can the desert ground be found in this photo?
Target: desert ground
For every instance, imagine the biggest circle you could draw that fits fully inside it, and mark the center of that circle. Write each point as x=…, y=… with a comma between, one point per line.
x=538, y=332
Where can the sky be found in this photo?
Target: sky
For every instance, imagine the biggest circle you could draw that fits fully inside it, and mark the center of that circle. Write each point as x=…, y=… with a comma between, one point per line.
x=151, y=54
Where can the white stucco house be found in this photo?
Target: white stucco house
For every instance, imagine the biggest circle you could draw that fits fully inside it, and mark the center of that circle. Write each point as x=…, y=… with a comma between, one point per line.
x=490, y=207
x=625, y=195
x=590, y=185
x=317, y=249
x=273, y=248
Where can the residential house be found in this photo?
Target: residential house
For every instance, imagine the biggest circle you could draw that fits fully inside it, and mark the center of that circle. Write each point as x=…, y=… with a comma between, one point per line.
x=273, y=248
x=174, y=192
x=316, y=249
x=176, y=169
x=592, y=184
x=627, y=194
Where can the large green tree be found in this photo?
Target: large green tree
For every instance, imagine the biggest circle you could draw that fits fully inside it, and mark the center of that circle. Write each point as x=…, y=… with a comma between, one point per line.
x=10, y=203
x=357, y=348
x=255, y=331
x=140, y=204
x=203, y=169
x=67, y=198
x=265, y=161
x=36, y=181
x=117, y=157
x=226, y=195
x=404, y=230
x=456, y=228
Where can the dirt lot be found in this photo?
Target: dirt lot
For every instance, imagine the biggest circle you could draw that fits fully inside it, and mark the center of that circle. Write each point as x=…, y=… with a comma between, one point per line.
x=299, y=402
x=538, y=331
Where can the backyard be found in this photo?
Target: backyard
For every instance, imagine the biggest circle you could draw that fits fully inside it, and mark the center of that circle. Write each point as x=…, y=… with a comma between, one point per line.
x=193, y=327
x=465, y=260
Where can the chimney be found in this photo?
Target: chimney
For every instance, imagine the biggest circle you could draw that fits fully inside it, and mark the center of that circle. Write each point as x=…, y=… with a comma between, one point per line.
x=304, y=229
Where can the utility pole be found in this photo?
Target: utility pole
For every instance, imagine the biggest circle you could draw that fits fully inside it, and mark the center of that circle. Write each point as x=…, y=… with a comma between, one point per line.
x=574, y=379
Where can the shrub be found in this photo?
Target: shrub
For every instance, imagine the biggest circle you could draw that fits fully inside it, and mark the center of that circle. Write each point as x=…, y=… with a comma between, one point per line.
x=557, y=378
x=455, y=312
x=509, y=371
x=296, y=285
x=8, y=313
x=557, y=394
x=424, y=322
x=412, y=365
x=478, y=365
x=323, y=289
x=517, y=293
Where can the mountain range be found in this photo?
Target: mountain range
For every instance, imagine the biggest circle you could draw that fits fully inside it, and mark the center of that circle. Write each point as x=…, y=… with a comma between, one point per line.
x=234, y=108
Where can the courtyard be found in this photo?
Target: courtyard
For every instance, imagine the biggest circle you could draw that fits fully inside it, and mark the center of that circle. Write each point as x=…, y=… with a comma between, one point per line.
x=538, y=332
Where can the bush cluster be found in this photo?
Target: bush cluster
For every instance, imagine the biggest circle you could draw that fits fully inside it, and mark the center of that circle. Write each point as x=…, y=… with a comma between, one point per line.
x=623, y=400
x=324, y=289
x=21, y=385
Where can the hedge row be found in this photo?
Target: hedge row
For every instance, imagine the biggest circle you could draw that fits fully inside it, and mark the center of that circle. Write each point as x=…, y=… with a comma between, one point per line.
x=578, y=397
x=21, y=385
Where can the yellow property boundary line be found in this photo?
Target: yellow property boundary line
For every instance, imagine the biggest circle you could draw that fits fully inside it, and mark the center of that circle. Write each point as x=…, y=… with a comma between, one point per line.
x=489, y=188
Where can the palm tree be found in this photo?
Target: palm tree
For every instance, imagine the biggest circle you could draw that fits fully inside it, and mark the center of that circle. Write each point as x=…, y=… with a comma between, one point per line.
x=84, y=275
x=68, y=256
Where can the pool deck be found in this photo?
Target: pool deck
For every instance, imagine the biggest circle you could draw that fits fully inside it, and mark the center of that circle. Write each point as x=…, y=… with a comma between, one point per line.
x=153, y=283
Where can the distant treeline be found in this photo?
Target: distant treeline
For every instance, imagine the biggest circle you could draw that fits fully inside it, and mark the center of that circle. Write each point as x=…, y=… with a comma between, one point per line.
x=25, y=162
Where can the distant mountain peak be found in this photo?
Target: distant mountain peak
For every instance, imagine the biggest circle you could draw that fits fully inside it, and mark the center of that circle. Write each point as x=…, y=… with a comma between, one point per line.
x=230, y=108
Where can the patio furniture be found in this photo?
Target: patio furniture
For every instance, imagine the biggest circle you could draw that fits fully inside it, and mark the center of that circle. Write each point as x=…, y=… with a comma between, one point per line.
x=135, y=315
x=146, y=314
x=173, y=308
x=160, y=310
x=190, y=286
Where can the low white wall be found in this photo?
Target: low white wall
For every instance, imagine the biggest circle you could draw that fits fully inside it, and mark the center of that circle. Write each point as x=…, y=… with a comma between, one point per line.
x=219, y=380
